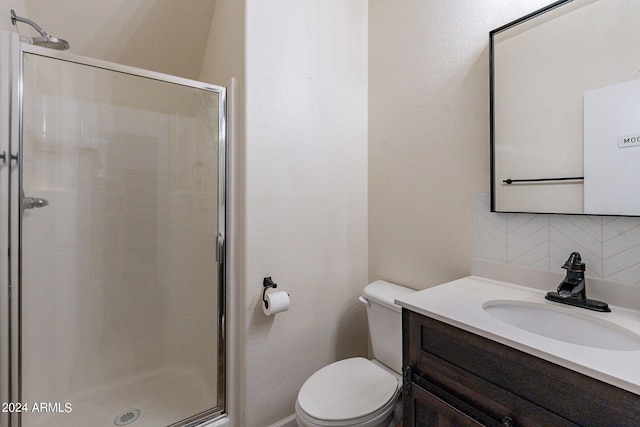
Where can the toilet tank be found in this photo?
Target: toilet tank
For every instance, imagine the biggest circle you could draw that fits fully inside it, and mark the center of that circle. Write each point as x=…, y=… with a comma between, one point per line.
x=385, y=322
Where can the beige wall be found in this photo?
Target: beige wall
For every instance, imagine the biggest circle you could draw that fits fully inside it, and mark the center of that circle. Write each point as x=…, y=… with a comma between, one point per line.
x=298, y=190
x=5, y=13
x=428, y=132
x=305, y=194
x=159, y=35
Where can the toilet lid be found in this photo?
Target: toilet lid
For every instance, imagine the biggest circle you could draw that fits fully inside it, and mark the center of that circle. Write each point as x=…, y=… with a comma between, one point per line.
x=347, y=389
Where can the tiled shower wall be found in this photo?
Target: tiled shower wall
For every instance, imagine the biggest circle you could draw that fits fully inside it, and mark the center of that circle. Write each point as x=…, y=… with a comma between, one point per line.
x=609, y=245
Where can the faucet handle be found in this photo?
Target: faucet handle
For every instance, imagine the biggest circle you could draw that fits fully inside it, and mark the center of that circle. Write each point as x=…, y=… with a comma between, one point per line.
x=574, y=262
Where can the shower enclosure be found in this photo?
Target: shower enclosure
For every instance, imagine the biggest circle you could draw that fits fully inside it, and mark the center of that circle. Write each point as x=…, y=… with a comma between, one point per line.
x=112, y=186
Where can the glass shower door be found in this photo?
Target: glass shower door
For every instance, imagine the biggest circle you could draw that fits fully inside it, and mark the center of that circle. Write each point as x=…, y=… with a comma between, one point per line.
x=121, y=214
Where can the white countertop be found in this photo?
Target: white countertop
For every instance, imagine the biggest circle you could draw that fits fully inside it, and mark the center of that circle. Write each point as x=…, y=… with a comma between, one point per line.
x=460, y=303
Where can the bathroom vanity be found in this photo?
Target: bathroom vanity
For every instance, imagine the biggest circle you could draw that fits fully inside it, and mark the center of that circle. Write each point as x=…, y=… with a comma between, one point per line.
x=465, y=367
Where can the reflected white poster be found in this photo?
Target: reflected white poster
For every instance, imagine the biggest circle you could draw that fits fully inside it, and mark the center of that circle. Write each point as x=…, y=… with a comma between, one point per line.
x=612, y=149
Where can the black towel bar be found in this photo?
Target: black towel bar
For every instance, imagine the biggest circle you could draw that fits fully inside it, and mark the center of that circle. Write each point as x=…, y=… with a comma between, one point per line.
x=571, y=178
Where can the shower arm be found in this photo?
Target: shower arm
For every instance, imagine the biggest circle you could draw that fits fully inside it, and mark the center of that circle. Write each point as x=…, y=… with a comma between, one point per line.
x=15, y=18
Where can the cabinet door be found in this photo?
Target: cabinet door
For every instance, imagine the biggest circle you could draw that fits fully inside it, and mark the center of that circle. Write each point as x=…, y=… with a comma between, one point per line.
x=432, y=411
x=428, y=409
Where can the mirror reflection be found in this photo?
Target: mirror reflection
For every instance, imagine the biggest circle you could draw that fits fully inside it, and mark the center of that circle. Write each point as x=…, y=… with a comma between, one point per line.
x=565, y=110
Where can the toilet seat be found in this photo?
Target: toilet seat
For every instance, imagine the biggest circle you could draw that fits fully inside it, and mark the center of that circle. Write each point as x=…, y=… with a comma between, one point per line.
x=349, y=392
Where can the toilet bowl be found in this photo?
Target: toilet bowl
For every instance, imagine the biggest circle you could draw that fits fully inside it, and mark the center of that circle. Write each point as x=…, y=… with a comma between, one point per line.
x=350, y=392
x=358, y=392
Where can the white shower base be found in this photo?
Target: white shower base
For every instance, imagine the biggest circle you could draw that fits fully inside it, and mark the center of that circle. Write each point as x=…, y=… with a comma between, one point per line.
x=163, y=397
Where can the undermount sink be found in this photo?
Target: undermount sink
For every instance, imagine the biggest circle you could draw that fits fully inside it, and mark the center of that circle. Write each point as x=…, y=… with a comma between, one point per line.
x=564, y=324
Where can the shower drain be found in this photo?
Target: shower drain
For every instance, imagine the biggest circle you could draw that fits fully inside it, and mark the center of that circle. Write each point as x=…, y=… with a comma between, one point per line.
x=127, y=417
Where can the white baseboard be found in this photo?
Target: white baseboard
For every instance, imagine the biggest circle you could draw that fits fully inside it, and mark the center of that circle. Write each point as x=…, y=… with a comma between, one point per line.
x=289, y=421
x=222, y=422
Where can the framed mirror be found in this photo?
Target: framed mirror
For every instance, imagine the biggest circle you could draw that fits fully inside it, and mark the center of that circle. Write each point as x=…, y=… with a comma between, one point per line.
x=565, y=110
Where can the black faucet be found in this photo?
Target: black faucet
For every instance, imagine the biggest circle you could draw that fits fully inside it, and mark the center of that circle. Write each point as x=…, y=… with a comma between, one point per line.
x=573, y=290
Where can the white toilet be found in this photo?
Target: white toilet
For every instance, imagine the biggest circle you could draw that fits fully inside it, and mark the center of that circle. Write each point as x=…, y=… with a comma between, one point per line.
x=360, y=392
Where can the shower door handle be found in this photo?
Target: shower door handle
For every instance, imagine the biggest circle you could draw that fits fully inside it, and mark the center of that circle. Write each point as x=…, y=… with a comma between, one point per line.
x=33, y=202
x=220, y=248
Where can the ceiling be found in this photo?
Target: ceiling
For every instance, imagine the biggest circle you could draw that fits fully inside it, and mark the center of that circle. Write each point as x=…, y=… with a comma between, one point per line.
x=168, y=36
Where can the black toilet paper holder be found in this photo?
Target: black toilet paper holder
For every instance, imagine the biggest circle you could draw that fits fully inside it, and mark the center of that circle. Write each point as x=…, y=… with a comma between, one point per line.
x=267, y=283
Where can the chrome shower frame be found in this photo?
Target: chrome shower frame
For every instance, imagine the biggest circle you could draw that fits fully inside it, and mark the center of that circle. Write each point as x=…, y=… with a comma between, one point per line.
x=5, y=297
x=12, y=51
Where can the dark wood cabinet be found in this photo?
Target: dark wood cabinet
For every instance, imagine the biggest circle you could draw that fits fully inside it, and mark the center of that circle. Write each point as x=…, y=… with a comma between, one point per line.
x=455, y=378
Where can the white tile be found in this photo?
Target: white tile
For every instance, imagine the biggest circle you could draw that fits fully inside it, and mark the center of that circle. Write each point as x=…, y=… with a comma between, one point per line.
x=483, y=215
x=620, y=235
x=580, y=225
x=622, y=260
x=527, y=231
x=570, y=231
x=489, y=235
x=532, y=256
x=630, y=274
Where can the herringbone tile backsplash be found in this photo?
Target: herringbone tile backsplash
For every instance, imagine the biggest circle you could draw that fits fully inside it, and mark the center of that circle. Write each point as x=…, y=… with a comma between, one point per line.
x=609, y=245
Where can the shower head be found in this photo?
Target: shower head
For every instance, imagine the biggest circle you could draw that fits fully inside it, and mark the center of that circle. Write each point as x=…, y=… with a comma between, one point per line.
x=45, y=40
x=50, y=42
